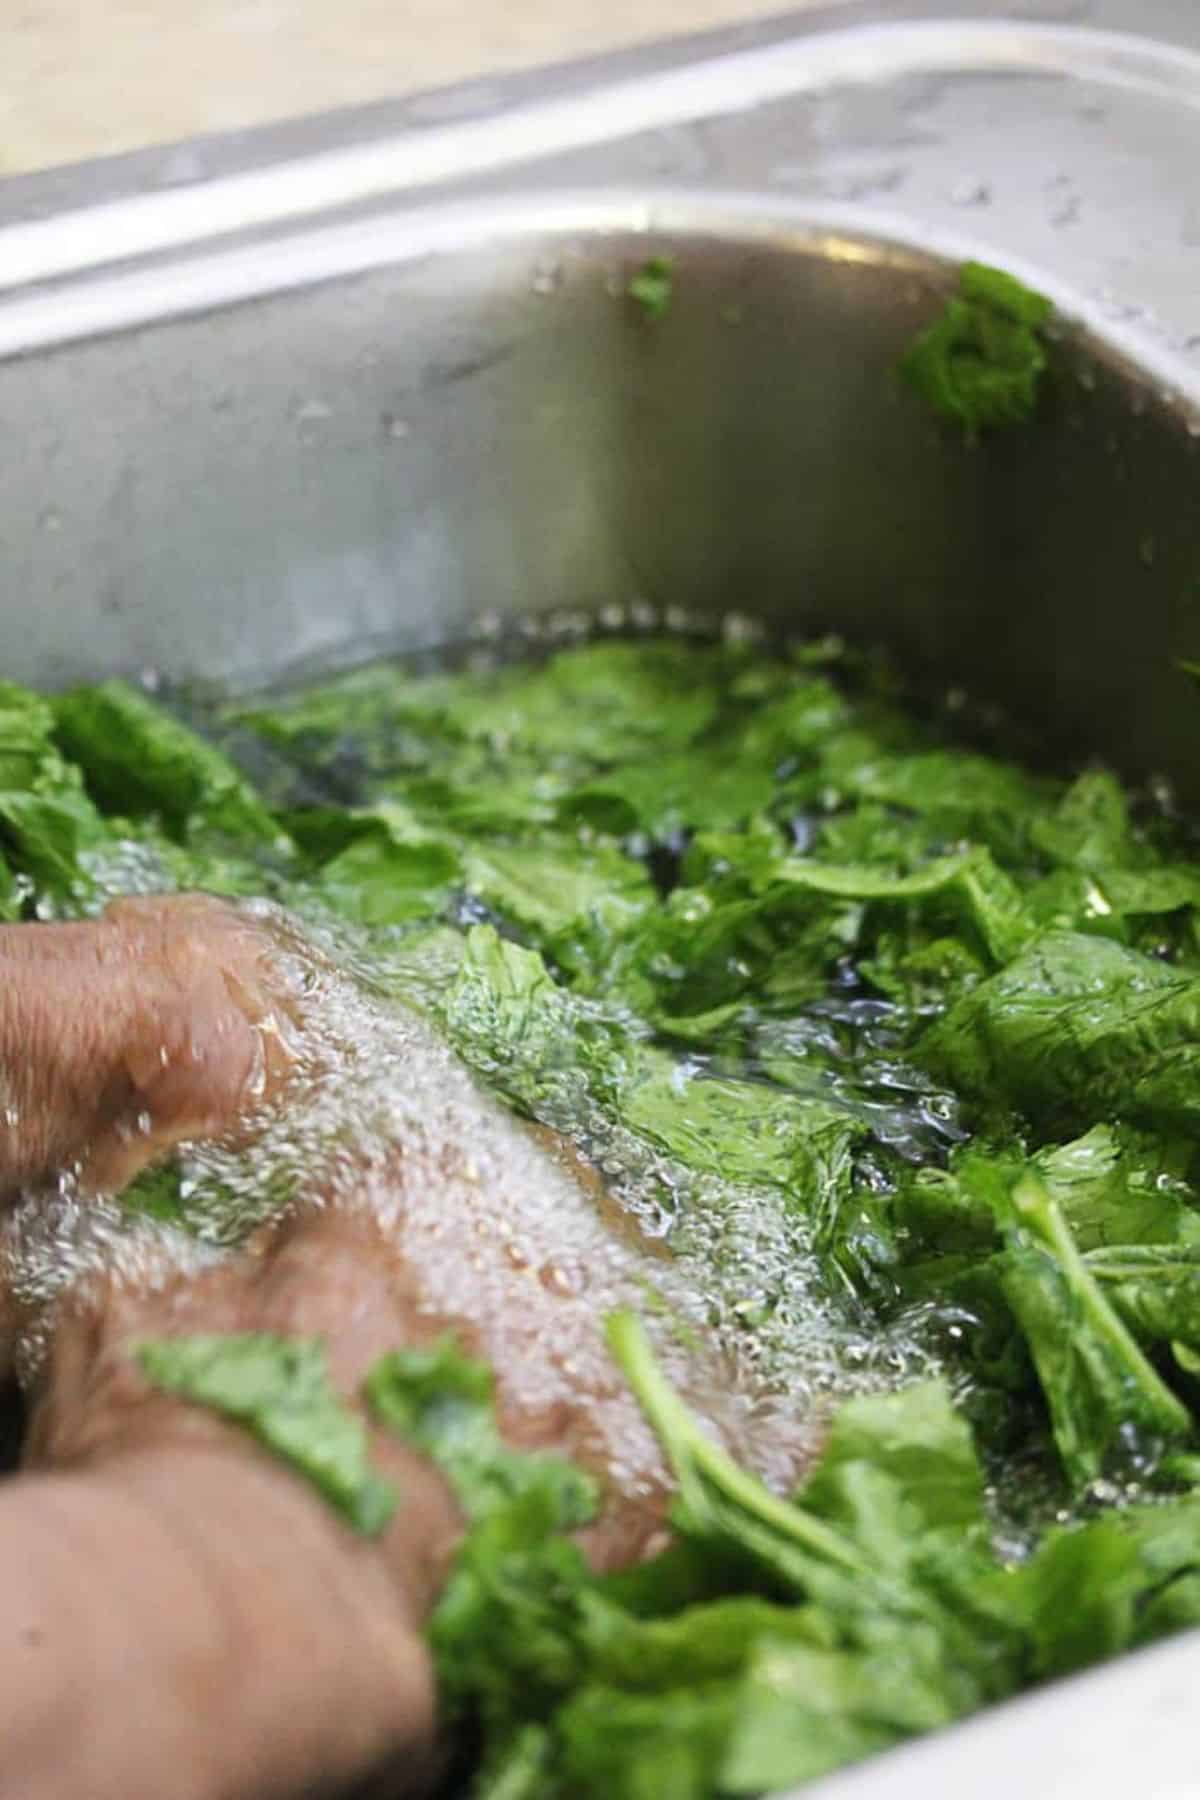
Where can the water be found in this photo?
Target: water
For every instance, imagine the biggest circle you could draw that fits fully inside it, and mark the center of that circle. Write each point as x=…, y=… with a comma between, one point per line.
x=524, y=1235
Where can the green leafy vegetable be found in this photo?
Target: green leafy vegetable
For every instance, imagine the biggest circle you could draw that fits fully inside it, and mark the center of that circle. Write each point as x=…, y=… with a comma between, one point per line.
x=279, y=1389
x=1074, y=1027
x=744, y=1130
x=137, y=759
x=1104, y=1396
x=864, y=1610
x=981, y=363
x=653, y=286
x=880, y=1030
x=442, y=1401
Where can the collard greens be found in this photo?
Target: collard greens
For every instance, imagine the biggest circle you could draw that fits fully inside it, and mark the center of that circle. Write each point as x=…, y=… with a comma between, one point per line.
x=749, y=924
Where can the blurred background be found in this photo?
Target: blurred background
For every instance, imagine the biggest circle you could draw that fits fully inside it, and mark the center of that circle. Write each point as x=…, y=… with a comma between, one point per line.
x=83, y=78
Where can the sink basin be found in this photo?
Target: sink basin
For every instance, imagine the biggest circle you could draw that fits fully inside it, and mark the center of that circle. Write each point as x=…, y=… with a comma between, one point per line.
x=380, y=386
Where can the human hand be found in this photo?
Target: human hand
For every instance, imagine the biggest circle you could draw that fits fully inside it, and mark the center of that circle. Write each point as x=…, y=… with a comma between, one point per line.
x=322, y=1673
x=434, y=1210
x=213, y=1630
x=167, y=1018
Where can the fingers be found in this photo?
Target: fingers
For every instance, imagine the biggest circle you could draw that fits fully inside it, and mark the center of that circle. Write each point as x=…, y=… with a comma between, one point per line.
x=271, y=1652
x=166, y=1019
x=325, y=1277
x=328, y=1273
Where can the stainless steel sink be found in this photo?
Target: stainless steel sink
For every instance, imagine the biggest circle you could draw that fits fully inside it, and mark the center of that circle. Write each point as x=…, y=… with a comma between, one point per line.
x=376, y=383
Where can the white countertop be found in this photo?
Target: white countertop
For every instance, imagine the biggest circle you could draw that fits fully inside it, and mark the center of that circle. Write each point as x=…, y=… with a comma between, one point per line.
x=85, y=78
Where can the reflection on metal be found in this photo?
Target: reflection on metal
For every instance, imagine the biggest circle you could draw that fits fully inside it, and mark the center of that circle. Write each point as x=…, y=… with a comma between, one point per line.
x=736, y=83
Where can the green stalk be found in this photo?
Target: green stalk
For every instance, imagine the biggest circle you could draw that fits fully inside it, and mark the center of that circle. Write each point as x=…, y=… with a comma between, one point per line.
x=690, y=1452
x=1038, y=1214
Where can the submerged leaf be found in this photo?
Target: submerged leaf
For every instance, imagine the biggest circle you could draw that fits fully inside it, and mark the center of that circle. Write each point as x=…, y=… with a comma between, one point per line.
x=279, y=1389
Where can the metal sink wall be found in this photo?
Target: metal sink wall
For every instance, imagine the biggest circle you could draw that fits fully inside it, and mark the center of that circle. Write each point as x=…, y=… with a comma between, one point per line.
x=496, y=430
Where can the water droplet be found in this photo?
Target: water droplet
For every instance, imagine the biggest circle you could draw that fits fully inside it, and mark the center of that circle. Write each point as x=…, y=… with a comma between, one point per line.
x=1113, y=307
x=970, y=191
x=50, y=519
x=875, y=181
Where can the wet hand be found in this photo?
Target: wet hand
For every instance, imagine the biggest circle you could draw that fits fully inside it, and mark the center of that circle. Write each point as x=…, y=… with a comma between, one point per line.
x=168, y=1018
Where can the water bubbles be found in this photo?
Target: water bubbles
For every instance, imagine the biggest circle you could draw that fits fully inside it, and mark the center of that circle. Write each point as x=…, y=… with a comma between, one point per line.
x=56, y=1242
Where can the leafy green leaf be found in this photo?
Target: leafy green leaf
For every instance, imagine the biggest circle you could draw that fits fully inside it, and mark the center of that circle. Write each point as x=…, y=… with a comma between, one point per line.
x=506, y=1015
x=442, y=1401
x=378, y=865
x=560, y=887
x=1091, y=1591
x=279, y=1389
x=138, y=759
x=600, y=703
x=744, y=1131
x=700, y=790
x=1077, y=1027
x=653, y=286
x=981, y=363
x=48, y=826
x=1106, y=1400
